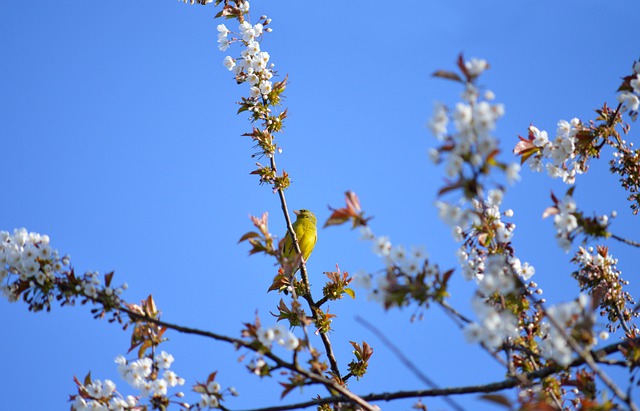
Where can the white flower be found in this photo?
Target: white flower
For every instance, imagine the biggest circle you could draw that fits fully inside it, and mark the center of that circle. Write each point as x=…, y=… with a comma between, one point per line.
x=565, y=222
x=223, y=30
x=244, y=6
x=120, y=360
x=454, y=165
x=382, y=246
x=497, y=277
x=141, y=368
x=171, y=378
x=213, y=387
x=90, y=290
x=493, y=327
x=291, y=342
x=244, y=26
x=630, y=100
x=540, y=137
x=95, y=389
x=495, y=196
x=229, y=63
x=362, y=279
x=476, y=66
x=159, y=386
x=366, y=233
x=108, y=388
x=263, y=58
x=439, y=121
x=527, y=271
x=208, y=401
x=411, y=266
x=164, y=360
x=254, y=92
x=462, y=117
x=418, y=252
x=117, y=404
x=252, y=79
x=449, y=213
x=266, y=336
x=223, y=43
x=265, y=87
x=253, y=48
x=434, y=155
x=398, y=254
x=513, y=172
x=635, y=84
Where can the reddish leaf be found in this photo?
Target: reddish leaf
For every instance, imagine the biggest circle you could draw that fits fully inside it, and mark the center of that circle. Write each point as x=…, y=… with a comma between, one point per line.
x=251, y=234
x=497, y=399
x=87, y=379
x=449, y=75
x=523, y=145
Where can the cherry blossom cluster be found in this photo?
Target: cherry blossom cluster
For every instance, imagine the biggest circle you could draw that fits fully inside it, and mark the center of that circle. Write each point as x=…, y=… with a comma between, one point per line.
x=211, y=394
x=486, y=255
x=558, y=156
x=151, y=376
x=474, y=120
x=280, y=335
x=30, y=268
x=253, y=64
x=99, y=395
x=630, y=98
x=403, y=269
x=565, y=222
x=494, y=326
x=575, y=319
x=468, y=224
x=28, y=258
x=598, y=274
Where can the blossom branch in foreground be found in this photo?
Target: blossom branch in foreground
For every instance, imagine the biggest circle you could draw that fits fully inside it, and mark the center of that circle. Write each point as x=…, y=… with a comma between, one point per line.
x=264, y=97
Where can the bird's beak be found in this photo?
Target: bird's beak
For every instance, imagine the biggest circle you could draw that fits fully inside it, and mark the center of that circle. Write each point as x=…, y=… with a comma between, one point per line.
x=296, y=212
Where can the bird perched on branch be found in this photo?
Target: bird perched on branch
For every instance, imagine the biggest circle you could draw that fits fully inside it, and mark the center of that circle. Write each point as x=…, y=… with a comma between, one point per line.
x=307, y=234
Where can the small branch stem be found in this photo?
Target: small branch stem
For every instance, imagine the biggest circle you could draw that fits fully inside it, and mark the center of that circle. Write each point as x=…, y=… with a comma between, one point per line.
x=624, y=240
x=305, y=278
x=405, y=361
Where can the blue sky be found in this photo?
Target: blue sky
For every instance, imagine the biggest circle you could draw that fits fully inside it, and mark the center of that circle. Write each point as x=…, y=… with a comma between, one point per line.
x=121, y=142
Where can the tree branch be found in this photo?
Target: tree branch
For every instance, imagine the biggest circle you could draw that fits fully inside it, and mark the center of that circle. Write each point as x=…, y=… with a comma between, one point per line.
x=470, y=389
x=624, y=240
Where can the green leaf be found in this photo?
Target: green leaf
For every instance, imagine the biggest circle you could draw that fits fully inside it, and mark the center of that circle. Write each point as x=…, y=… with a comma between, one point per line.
x=351, y=293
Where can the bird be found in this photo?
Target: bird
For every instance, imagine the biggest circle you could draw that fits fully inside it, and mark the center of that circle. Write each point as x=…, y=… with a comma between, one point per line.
x=307, y=234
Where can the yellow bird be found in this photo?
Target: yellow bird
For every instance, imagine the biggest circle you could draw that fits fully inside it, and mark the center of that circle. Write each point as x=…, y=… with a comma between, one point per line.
x=305, y=229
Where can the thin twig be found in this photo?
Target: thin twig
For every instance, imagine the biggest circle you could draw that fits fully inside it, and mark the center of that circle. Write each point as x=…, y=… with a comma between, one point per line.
x=457, y=317
x=624, y=240
x=305, y=278
x=621, y=320
x=405, y=361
